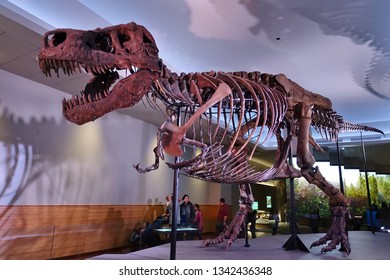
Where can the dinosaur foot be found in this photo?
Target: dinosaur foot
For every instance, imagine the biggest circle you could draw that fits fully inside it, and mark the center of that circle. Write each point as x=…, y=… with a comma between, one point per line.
x=229, y=235
x=337, y=233
x=212, y=241
x=223, y=237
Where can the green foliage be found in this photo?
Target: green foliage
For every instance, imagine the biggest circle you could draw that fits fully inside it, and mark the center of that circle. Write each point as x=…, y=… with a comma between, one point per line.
x=379, y=191
x=309, y=197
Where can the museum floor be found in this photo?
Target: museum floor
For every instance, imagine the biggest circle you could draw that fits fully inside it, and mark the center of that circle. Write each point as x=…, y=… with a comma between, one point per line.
x=364, y=244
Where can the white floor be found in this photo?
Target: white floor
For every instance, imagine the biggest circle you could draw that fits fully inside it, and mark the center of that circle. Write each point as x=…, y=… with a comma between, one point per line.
x=364, y=246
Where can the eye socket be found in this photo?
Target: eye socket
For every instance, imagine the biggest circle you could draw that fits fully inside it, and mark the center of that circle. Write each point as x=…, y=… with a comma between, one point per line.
x=147, y=40
x=123, y=38
x=104, y=43
x=56, y=39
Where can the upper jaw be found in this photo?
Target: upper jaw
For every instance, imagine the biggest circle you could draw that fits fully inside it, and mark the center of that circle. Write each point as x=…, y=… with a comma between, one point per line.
x=101, y=53
x=98, y=88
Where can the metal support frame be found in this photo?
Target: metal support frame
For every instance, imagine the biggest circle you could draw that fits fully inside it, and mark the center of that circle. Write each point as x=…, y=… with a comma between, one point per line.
x=367, y=184
x=294, y=242
x=175, y=193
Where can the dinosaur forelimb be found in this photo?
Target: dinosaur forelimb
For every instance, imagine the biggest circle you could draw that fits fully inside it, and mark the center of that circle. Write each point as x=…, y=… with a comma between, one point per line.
x=158, y=151
x=152, y=167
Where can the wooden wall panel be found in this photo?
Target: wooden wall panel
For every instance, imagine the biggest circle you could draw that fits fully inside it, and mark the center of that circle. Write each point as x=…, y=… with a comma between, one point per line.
x=25, y=243
x=68, y=240
x=55, y=231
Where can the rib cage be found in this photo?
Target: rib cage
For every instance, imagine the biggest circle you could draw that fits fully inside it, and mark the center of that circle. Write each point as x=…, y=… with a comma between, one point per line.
x=251, y=113
x=251, y=104
x=232, y=128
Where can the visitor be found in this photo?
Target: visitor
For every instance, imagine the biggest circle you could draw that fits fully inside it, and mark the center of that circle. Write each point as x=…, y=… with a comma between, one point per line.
x=275, y=217
x=222, y=216
x=251, y=219
x=187, y=214
x=169, y=210
x=198, y=222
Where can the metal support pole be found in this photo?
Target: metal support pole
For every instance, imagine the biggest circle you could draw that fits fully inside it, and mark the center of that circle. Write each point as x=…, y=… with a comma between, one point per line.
x=246, y=233
x=340, y=172
x=294, y=242
x=175, y=193
x=342, y=249
x=367, y=184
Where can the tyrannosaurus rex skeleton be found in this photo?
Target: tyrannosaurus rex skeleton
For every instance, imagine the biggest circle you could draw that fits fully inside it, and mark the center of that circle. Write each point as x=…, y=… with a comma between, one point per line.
x=225, y=114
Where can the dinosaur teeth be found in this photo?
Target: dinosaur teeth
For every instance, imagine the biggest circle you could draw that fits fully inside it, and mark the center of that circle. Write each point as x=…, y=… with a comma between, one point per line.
x=87, y=68
x=80, y=99
x=74, y=101
x=78, y=67
x=52, y=63
x=64, y=104
x=68, y=67
x=134, y=68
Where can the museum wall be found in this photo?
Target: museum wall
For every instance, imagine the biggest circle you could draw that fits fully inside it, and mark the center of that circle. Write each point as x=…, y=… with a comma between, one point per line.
x=48, y=160
x=55, y=176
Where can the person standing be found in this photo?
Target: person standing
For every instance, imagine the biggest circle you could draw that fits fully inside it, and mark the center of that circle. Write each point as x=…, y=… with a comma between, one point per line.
x=275, y=217
x=169, y=210
x=222, y=216
x=187, y=214
x=198, y=220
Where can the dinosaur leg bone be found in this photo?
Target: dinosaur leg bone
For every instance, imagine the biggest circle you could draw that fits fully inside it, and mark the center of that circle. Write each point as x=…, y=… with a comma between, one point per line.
x=338, y=202
x=285, y=170
x=231, y=233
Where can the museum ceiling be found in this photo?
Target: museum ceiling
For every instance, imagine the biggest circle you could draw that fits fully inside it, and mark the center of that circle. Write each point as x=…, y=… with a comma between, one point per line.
x=336, y=48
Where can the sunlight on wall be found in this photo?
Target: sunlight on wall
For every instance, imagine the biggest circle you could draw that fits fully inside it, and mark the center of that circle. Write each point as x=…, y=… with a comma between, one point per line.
x=86, y=141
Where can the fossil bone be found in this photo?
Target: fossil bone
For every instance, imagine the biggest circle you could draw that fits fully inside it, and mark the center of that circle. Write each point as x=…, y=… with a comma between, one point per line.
x=226, y=114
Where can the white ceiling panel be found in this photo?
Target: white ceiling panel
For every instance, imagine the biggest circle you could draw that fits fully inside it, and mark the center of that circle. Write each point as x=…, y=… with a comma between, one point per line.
x=337, y=48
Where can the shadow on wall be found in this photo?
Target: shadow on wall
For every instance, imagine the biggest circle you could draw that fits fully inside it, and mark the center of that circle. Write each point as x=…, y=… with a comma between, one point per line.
x=30, y=152
x=153, y=209
x=331, y=16
x=36, y=169
x=113, y=227
x=46, y=190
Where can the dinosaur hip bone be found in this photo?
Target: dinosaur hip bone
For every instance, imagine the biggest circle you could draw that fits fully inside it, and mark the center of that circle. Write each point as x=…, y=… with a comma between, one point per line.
x=226, y=114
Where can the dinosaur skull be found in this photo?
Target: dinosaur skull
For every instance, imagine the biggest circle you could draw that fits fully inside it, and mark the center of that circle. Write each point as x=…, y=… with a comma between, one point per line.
x=101, y=52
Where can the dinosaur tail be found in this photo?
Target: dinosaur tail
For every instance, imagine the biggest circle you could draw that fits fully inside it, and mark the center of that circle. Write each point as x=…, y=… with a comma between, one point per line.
x=348, y=126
